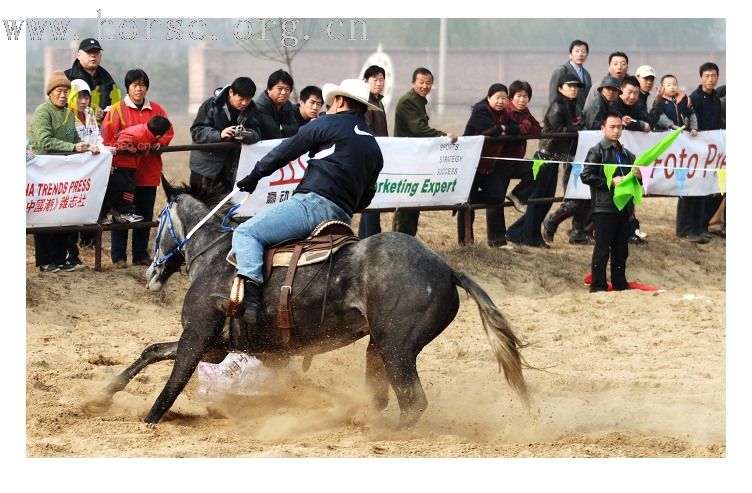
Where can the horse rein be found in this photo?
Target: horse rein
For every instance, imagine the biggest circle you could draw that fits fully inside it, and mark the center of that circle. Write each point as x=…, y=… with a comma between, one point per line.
x=157, y=261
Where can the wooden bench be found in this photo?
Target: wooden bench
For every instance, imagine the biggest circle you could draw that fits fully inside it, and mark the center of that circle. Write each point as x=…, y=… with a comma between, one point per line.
x=98, y=229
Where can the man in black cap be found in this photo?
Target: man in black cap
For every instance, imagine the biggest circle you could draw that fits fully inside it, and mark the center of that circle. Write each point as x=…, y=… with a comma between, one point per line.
x=87, y=67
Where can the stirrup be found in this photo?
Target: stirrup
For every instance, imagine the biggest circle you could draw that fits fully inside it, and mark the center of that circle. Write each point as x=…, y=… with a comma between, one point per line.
x=233, y=305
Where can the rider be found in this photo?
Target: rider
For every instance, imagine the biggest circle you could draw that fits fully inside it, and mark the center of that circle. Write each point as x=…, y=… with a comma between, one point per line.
x=344, y=163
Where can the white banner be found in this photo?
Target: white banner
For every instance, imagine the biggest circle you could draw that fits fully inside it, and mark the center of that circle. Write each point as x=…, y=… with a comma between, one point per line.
x=699, y=156
x=417, y=172
x=66, y=190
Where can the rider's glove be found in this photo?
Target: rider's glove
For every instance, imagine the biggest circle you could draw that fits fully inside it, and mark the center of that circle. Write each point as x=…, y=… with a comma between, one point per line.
x=248, y=184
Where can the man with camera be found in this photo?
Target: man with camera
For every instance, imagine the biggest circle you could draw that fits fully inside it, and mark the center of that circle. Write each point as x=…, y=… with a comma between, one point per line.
x=229, y=116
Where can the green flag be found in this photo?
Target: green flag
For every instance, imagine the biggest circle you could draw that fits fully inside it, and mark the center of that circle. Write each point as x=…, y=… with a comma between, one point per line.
x=649, y=156
x=537, y=163
x=627, y=189
x=609, y=170
x=630, y=187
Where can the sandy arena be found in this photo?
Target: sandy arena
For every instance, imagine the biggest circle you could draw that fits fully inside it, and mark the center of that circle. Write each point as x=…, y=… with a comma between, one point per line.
x=631, y=374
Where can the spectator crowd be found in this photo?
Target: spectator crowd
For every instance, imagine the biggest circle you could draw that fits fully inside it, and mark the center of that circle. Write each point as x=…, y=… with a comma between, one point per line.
x=86, y=111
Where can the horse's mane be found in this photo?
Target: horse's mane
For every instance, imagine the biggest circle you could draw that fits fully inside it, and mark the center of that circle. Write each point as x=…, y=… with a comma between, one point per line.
x=209, y=195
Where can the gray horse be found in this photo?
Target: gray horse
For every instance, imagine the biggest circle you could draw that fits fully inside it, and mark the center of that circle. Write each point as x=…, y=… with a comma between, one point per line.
x=390, y=287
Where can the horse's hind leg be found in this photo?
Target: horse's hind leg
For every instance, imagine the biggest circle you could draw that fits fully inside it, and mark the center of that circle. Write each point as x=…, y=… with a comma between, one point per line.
x=376, y=378
x=156, y=352
x=403, y=375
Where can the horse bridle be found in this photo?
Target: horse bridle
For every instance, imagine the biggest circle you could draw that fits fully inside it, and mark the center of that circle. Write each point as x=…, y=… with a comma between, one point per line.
x=157, y=261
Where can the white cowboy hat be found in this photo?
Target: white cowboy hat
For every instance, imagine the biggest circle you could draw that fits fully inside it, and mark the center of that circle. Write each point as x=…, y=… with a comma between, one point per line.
x=356, y=89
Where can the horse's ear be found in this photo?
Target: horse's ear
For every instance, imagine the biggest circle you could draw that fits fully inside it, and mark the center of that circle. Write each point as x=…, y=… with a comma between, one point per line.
x=169, y=189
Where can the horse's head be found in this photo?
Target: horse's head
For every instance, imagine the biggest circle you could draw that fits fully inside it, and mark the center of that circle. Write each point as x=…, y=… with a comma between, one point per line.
x=187, y=209
x=168, y=254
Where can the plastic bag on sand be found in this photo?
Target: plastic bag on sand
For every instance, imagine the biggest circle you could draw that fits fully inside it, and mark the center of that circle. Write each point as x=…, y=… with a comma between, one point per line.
x=237, y=374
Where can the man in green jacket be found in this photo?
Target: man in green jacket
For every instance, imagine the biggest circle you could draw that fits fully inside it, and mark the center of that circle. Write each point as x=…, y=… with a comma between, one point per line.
x=411, y=120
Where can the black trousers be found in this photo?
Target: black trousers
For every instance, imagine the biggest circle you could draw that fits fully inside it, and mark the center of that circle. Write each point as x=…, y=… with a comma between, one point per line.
x=486, y=189
x=612, y=232
x=690, y=216
x=527, y=229
x=54, y=248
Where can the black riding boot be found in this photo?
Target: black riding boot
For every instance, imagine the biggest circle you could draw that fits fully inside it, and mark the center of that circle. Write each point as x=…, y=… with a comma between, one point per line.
x=251, y=305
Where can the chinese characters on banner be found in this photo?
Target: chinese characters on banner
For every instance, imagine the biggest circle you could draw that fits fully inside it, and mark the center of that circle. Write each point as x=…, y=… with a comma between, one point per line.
x=416, y=173
x=66, y=190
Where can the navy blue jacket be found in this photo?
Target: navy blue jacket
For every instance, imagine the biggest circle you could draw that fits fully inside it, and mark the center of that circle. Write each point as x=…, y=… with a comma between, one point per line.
x=707, y=108
x=344, y=160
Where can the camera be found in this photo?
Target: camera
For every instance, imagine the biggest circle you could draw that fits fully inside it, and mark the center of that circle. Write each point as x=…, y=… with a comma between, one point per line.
x=241, y=133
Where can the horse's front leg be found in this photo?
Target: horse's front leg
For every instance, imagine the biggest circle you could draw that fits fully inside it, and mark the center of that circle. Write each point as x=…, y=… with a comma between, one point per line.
x=191, y=347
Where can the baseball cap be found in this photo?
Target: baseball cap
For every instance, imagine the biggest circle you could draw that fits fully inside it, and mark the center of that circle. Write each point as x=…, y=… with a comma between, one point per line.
x=645, y=71
x=567, y=78
x=90, y=44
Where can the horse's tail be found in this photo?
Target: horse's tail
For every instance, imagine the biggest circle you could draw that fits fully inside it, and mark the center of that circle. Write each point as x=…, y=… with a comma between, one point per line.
x=505, y=344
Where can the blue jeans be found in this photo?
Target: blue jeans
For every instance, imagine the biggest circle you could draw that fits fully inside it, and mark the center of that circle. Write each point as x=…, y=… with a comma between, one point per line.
x=289, y=220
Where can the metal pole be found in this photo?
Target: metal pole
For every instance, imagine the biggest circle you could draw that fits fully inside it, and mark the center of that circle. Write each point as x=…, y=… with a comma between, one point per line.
x=442, y=66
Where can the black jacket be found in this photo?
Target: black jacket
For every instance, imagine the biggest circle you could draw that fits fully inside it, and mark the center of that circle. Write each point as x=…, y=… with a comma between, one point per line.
x=707, y=108
x=274, y=123
x=214, y=116
x=349, y=165
x=601, y=196
x=638, y=113
x=101, y=80
x=561, y=116
x=376, y=120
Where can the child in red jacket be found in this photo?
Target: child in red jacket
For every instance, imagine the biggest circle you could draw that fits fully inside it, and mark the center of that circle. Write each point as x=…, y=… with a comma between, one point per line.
x=140, y=139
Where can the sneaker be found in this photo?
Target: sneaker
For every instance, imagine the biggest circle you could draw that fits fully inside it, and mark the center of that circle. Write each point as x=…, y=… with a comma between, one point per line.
x=120, y=264
x=636, y=240
x=517, y=203
x=68, y=267
x=143, y=261
x=640, y=233
x=49, y=268
x=719, y=232
x=708, y=236
x=129, y=217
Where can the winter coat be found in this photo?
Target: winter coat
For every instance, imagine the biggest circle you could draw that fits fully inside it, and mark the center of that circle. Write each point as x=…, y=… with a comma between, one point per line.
x=485, y=121
x=601, y=196
x=376, y=120
x=53, y=129
x=677, y=110
x=636, y=111
x=527, y=125
x=139, y=139
x=351, y=160
x=124, y=114
x=562, y=115
x=214, y=116
x=275, y=123
x=595, y=112
x=707, y=108
x=102, y=81
x=411, y=118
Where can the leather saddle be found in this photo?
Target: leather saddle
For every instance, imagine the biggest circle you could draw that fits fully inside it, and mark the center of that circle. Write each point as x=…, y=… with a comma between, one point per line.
x=325, y=240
